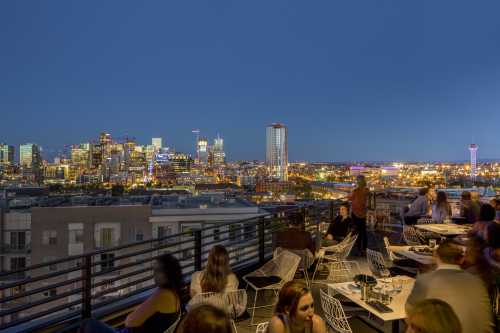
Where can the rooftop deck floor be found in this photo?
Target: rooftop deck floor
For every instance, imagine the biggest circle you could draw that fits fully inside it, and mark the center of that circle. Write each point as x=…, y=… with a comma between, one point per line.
x=357, y=325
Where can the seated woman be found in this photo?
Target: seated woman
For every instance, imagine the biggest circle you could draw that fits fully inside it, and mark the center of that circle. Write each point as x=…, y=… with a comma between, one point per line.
x=341, y=226
x=487, y=216
x=432, y=316
x=207, y=319
x=441, y=209
x=159, y=311
x=294, y=311
x=217, y=277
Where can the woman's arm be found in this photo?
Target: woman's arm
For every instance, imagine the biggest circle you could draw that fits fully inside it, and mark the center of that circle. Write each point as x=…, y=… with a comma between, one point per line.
x=195, y=287
x=145, y=310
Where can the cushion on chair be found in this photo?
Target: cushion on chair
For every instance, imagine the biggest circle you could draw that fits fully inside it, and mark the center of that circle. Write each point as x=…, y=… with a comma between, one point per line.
x=263, y=281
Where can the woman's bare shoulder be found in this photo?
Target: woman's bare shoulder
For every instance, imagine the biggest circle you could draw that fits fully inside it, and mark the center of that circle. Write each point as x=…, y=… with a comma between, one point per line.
x=276, y=325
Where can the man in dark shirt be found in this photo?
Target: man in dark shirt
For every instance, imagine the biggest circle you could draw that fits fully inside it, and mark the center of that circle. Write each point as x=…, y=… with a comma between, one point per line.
x=341, y=226
x=295, y=237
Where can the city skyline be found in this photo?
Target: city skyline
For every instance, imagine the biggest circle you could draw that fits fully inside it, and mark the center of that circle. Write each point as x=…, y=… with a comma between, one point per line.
x=63, y=150
x=399, y=81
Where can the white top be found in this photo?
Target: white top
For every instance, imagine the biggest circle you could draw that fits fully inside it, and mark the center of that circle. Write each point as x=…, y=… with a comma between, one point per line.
x=397, y=304
x=232, y=283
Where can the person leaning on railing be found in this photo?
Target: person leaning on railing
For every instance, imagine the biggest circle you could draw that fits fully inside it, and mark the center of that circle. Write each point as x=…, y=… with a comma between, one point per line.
x=159, y=311
x=359, y=208
x=217, y=277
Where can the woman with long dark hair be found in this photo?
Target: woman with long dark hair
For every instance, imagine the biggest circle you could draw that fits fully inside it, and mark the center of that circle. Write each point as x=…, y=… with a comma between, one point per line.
x=294, y=312
x=217, y=276
x=441, y=210
x=159, y=311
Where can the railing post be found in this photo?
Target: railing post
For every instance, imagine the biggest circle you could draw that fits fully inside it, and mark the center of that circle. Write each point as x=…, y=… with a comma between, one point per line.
x=87, y=287
x=197, y=250
x=332, y=212
x=261, y=231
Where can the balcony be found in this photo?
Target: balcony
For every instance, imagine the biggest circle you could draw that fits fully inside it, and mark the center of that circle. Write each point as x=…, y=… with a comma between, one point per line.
x=16, y=249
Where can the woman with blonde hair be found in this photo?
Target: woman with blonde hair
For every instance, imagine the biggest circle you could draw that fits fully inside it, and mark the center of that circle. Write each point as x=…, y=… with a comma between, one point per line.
x=294, y=312
x=217, y=277
x=432, y=316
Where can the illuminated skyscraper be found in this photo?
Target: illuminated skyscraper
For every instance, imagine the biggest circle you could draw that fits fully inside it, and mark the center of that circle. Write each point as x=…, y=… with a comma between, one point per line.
x=6, y=154
x=202, y=151
x=157, y=142
x=473, y=161
x=277, y=151
x=218, y=151
x=31, y=162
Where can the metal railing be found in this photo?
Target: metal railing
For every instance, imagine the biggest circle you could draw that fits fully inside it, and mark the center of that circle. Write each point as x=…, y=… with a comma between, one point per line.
x=76, y=287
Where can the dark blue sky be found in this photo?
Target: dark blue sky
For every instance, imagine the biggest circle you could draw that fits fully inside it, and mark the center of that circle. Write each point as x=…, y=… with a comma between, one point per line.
x=353, y=80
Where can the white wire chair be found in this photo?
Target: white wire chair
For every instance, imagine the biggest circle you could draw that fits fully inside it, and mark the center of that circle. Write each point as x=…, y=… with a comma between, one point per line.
x=342, y=271
x=282, y=266
x=262, y=327
x=377, y=264
x=335, y=252
x=334, y=314
x=172, y=327
x=411, y=236
x=306, y=260
x=425, y=220
x=234, y=303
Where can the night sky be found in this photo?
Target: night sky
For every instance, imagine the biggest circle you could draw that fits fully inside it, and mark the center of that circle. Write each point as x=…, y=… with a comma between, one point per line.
x=352, y=80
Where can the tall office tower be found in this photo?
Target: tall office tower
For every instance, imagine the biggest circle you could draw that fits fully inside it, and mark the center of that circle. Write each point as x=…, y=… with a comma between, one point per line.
x=180, y=162
x=277, y=151
x=29, y=155
x=6, y=154
x=218, y=154
x=157, y=143
x=81, y=155
x=202, y=151
x=106, y=145
x=31, y=162
x=473, y=161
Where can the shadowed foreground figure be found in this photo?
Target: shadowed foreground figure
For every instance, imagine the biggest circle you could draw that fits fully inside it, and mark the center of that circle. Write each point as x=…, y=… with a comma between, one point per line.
x=205, y=319
x=432, y=316
x=464, y=292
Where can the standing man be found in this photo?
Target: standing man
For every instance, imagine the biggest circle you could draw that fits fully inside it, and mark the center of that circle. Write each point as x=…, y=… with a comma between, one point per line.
x=359, y=200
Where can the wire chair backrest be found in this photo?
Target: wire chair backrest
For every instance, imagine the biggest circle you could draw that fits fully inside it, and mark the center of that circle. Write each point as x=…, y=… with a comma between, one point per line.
x=348, y=247
x=342, y=271
x=411, y=236
x=387, y=245
x=284, y=265
x=236, y=302
x=217, y=300
x=306, y=257
x=425, y=220
x=376, y=262
x=262, y=327
x=334, y=314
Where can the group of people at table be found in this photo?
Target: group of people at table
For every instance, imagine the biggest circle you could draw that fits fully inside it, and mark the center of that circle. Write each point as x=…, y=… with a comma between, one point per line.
x=458, y=296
